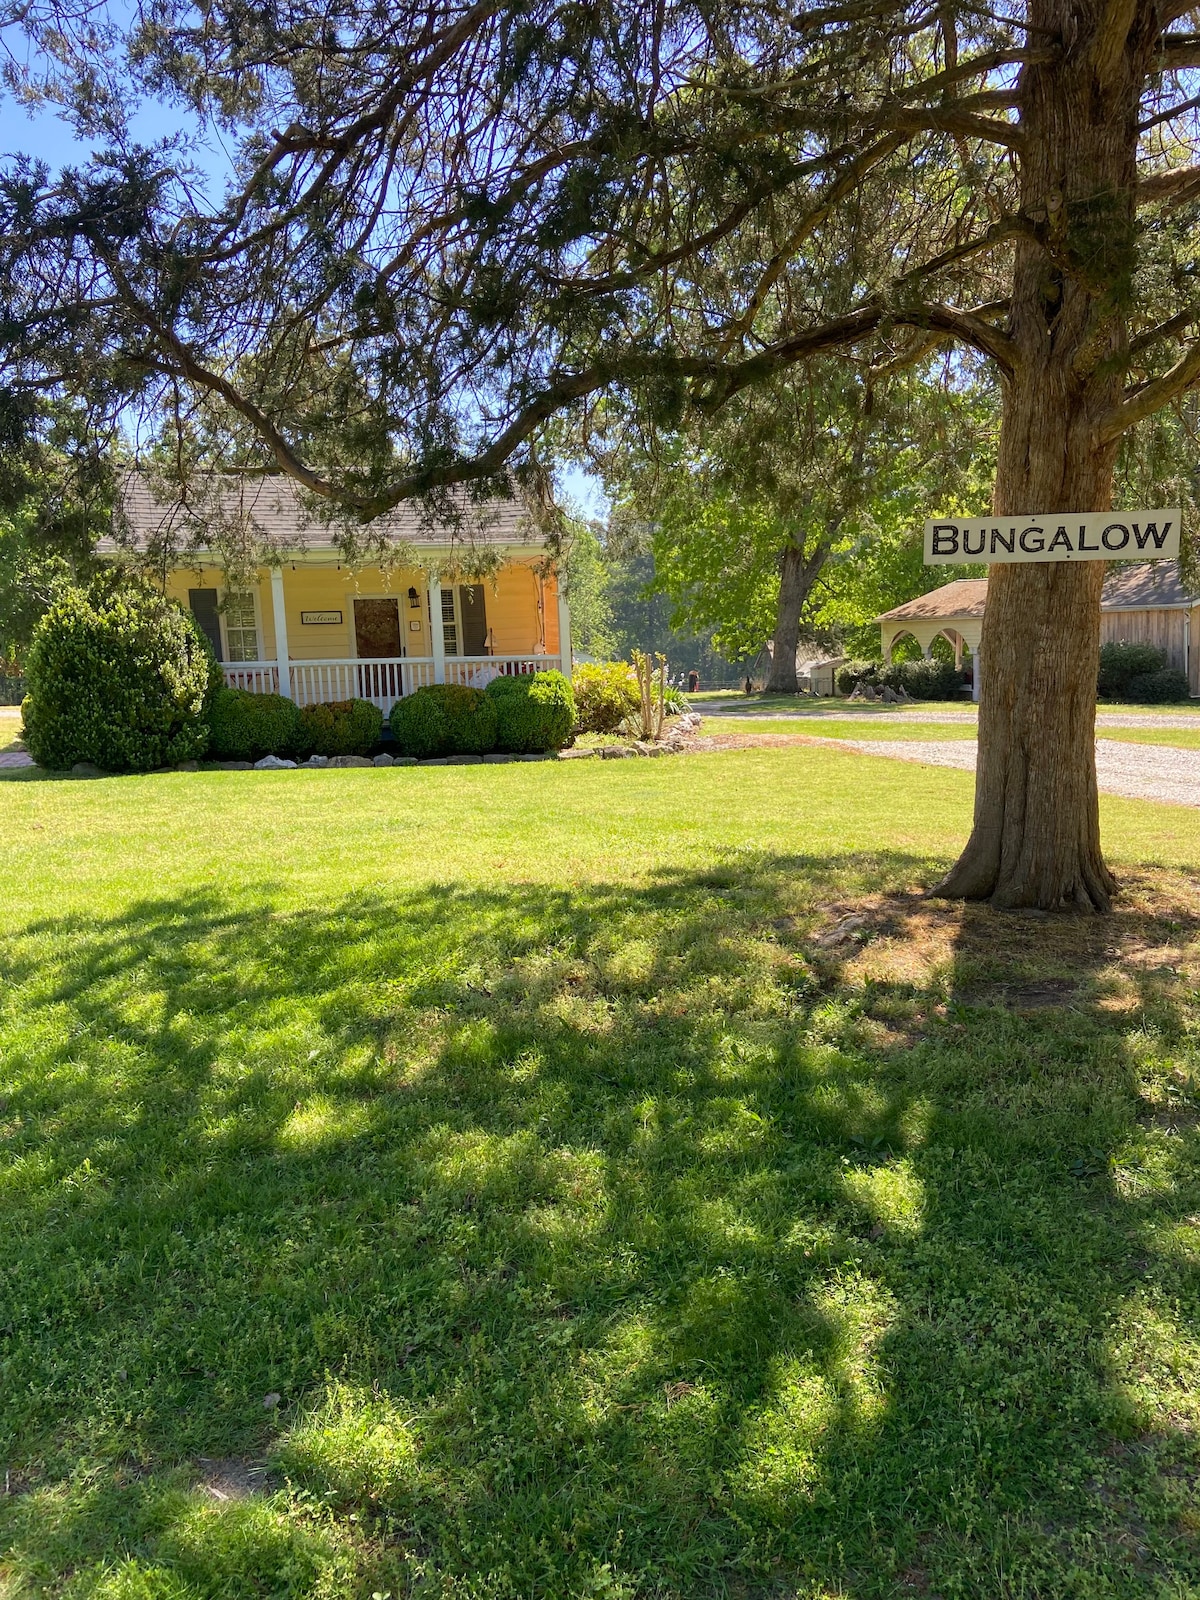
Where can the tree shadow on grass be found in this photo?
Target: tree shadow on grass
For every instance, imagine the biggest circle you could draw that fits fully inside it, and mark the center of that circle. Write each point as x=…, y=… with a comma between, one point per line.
x=615, y=1240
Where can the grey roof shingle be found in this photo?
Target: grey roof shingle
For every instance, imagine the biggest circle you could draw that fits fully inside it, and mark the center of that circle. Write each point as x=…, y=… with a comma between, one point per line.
x=964, y=597
x=1147, y=586
x=273, y=507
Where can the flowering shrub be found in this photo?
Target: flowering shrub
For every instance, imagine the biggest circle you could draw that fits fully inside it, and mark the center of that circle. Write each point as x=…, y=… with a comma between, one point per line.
x=605, y=694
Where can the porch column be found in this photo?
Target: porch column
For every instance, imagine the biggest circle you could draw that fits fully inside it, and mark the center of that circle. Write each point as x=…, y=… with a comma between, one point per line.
x=976, y=674
x=437, y=637
x=564, y=629
x=281, y=638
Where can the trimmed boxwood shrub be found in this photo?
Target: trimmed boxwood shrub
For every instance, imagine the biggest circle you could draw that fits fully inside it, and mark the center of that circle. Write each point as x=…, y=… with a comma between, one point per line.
x=118, y=676
x=534, y=711
x=339, y=728
x=444, y=719
x=1156, y=688
x=606, y=692
x=246, y=727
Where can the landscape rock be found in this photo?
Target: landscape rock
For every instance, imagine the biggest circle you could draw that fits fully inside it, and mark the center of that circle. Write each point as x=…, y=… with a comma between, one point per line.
x=535, y=755
x=86, y=769
x=188, y=766
x=316, y=761
x=272, y=764
x=576, y=755
x=351, y=761
x=437, y=761
x=384, y=760
x=235, y=766
x=498, y=756
x=464, y=761
x=615, y=752
x=405, y=761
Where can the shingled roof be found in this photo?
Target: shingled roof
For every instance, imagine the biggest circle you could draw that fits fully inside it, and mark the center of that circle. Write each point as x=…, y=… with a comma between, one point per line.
x=273, y=507
x=965, y=597
x=1146, y=586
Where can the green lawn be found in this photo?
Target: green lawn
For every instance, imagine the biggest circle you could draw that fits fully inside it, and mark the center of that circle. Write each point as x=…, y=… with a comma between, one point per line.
x=730, y=704
x=843, y=728
x=900, y=728
x=497, y=1182
x=1180, y=738
x=10, y=726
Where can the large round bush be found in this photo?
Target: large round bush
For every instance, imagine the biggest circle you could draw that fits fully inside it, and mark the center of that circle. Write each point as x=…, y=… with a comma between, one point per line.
x=339, y=728
x=534, y=711
x=118, y=676
x=606, y=692
x=1157, y=688
x=245, y=727
x=1121, y=663
x=444, y=719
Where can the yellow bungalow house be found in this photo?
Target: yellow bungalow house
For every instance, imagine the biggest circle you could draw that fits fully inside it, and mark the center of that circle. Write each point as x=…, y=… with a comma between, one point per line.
x=314, y=628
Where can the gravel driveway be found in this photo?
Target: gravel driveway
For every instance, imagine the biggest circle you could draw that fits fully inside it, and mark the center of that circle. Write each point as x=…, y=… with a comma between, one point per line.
x=1139, y=771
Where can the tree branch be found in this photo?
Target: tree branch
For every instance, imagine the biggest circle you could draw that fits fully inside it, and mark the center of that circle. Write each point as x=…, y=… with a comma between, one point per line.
x=1169, y=329
x=1109, y=40
x=1152, y=396
x=1176, y=110
x=1176, y=52
x=1178, y=186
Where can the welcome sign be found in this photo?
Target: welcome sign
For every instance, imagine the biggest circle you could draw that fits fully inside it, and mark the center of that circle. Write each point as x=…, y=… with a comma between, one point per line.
x=1056, y=536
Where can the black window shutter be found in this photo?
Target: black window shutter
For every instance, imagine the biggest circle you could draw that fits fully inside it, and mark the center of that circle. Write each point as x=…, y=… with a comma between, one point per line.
x=474, y=619
x=203, y=604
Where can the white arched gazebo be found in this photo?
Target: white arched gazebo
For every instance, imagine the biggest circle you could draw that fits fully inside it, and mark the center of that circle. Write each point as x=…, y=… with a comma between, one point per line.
x=955, y=611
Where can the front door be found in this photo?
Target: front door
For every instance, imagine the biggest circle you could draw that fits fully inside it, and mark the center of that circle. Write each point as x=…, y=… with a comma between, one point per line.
x=377, y=628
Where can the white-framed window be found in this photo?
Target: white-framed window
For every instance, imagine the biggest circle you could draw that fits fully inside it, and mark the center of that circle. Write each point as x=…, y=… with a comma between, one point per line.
x=241, y=626
x=450, y=621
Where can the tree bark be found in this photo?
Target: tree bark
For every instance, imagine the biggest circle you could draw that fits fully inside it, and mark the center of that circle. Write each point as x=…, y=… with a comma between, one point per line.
x=1036, y=835
x=796, y=578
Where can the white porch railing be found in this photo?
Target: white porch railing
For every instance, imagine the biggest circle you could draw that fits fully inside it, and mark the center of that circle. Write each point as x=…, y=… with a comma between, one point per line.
x=380, y=680
x=478, y=671
x=259, y=677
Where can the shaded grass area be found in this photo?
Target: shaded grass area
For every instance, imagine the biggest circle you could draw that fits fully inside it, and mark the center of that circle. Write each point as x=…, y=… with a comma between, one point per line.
x=496, y=1185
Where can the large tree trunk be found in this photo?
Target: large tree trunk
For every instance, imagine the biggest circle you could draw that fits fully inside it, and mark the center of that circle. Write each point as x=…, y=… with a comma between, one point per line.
x=796, y=578
x=1036, y=838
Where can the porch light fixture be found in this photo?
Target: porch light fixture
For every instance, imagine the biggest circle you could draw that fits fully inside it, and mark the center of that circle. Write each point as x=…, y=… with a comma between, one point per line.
x=414, y=600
